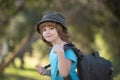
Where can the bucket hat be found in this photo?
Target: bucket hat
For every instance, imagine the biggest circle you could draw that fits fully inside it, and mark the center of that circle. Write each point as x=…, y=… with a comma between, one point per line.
x=52, y=17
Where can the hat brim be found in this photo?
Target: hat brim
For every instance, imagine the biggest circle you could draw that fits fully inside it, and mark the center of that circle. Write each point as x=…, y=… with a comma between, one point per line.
x=49, y=20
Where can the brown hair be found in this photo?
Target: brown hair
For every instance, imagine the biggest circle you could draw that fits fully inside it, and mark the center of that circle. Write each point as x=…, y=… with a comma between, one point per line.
x=63, y=33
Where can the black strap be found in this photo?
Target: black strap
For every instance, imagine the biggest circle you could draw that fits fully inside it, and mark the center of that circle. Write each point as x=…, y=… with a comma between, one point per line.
x=47, y=66
x=72, y=46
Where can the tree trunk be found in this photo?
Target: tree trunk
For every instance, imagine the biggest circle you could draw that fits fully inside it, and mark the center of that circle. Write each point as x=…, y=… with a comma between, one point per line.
x=21, y=48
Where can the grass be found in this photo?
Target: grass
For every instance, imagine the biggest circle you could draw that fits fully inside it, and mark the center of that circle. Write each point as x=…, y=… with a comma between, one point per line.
x=28, y=73
x=117, y=77
x=12, y=73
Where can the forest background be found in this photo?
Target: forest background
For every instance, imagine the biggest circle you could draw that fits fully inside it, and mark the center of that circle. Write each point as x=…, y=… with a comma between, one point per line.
x=93, y=24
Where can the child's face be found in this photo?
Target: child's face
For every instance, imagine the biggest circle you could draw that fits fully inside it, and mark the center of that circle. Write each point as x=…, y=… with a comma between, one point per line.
x=50, y=34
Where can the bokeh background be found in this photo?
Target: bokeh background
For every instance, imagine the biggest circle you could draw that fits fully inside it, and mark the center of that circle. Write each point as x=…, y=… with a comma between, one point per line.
x=93, y=24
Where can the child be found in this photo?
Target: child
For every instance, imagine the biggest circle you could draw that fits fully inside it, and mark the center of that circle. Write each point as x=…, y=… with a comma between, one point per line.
x=54, y=33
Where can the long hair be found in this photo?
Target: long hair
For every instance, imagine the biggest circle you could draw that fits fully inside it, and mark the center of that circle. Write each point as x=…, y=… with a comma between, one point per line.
x=63, y=33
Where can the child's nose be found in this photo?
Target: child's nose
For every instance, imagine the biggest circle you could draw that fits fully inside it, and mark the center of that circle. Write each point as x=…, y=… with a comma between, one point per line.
x=47, y=30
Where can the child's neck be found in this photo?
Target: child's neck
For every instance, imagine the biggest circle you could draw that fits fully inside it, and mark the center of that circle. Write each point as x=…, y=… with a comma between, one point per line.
x=58, y=42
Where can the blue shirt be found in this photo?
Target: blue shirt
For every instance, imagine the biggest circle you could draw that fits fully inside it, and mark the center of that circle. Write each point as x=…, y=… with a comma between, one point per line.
x=69, y=54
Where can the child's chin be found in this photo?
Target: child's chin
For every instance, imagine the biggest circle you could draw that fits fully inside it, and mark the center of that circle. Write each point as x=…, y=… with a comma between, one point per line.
x=50, y=41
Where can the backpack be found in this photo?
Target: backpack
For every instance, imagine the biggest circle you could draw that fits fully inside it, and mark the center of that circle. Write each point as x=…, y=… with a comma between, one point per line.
x=91, y=66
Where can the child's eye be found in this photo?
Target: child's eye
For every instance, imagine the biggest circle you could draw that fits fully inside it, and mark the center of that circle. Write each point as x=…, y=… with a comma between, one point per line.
x=51, y=27
x=43, y=30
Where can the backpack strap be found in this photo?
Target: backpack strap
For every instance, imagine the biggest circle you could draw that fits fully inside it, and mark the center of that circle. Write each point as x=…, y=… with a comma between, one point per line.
x=76, y=50
x=96, y=54
x=47, y=66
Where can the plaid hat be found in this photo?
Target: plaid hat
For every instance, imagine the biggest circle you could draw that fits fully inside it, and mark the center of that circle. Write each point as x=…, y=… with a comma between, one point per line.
x=52, y=17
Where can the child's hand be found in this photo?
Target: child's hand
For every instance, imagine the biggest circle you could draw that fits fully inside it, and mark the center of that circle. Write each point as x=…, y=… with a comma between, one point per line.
x=58, y=48
x=41, y=70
